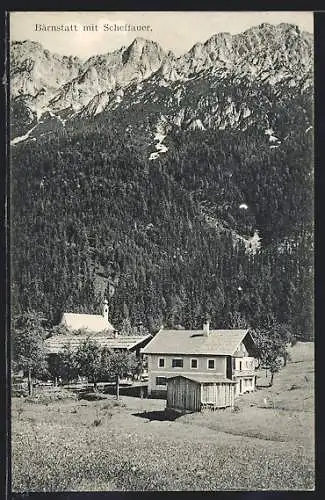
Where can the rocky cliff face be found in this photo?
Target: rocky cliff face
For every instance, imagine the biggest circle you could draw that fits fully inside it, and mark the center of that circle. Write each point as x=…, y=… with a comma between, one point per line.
x=261, y=48
x=192, y=89
x=36, y=74
x=45, y=81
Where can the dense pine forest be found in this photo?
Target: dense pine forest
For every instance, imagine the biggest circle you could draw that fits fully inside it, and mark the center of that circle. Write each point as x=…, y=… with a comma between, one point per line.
x=92, y=216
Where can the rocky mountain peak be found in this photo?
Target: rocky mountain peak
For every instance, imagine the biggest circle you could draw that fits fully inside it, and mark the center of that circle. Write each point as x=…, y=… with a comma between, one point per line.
x=264, y=54
x=25, y=48
x=145, y=52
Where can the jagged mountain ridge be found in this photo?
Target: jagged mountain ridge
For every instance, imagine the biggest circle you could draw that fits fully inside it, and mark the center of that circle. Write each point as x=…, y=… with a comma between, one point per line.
x=275, y=55
x=49, y=81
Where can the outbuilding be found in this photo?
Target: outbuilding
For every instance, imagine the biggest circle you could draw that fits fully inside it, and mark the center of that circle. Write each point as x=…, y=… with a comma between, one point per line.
x=198, y=392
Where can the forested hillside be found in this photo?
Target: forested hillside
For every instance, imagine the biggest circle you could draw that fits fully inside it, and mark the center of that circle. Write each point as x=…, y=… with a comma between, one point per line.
x=165, y=237
x=175, y=187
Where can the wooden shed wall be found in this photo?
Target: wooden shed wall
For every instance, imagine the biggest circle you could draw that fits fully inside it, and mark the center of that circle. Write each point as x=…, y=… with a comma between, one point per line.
x=183, y=394
x=218, y=394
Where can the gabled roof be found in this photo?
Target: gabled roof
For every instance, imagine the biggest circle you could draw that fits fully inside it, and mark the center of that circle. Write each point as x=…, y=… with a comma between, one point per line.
x=55, y=344
x=208, y=378
x=91, y=322
x=219, y=342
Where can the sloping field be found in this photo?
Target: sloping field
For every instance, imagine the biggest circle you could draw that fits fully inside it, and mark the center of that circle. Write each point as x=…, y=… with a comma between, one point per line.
x=268, y=443
x=283, y=412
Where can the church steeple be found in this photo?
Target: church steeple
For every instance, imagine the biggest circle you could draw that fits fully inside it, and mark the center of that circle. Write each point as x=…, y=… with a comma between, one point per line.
x=105, y=309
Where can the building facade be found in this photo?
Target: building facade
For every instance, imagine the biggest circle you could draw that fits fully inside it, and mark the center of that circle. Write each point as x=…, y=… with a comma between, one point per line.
x=229, y=354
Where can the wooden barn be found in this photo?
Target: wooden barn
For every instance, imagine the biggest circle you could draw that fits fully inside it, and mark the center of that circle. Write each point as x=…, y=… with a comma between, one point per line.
x=198, y=392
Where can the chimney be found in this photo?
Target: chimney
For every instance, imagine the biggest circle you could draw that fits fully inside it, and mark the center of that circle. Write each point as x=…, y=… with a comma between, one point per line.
x=105, y=310
x=206, y=328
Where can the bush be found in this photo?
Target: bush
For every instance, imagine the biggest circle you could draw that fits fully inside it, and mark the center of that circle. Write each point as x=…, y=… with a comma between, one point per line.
x=46, y=397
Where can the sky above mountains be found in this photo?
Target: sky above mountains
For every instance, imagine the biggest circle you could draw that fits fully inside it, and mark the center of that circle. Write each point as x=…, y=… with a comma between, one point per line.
x=176, y=31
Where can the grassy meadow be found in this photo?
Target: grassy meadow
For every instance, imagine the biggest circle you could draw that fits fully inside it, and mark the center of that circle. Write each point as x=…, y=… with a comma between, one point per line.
x=105, y=445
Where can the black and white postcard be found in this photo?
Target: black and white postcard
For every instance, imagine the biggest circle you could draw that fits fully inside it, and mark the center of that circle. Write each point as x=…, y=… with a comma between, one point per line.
x=161, y=245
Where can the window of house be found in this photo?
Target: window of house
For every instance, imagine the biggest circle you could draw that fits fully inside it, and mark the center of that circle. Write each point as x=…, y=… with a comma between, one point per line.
x=161, y=381
x=194, y=363
x=161, y=362
x=240, y=365
x=177, y=363
x=211, y=364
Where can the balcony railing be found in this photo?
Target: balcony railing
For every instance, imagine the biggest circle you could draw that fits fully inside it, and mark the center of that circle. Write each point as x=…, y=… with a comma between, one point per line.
x=244, y=373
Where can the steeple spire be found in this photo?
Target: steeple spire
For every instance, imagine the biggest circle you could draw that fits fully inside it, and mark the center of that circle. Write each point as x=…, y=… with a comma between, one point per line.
x=105, y=309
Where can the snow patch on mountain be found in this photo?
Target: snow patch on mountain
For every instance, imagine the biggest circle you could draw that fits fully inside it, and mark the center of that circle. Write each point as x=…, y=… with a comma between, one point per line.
x=253, y=244
x=159, y=137
x=22, y=138
x=160, y=147
x=196, y=125
x=272, y=137
x=58, y=117
x=163, y=83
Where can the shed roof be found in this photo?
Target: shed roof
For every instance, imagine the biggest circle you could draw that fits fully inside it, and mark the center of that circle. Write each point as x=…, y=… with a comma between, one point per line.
x=205, y=378
x=218, y=342
x=55, y=344
x=92, y=322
